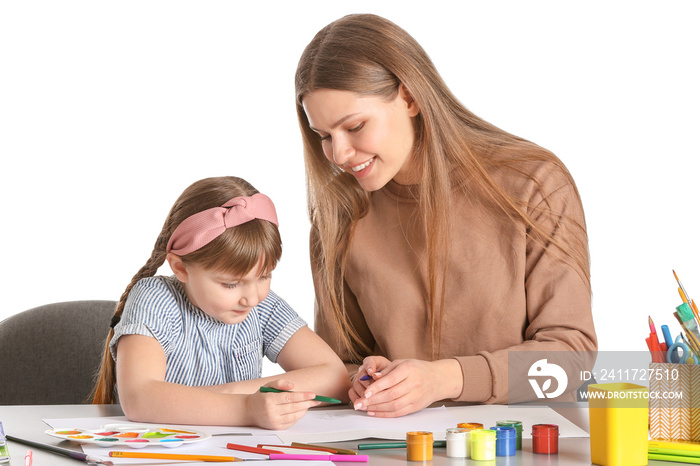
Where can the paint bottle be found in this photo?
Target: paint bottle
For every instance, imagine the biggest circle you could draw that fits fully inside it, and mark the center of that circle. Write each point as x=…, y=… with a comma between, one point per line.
x=419, y=446
x=457, y=442
x=518, y=429
x=470, y=425
x=545, y=439
x=483, y=444
x=505, y=440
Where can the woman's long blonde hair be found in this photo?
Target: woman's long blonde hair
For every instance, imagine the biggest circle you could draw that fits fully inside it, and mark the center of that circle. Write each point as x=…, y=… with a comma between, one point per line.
x=236, y=251
x=371, y=56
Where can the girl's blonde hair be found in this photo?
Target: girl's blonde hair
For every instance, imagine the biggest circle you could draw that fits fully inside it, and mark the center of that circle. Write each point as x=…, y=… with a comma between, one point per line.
x=236, y=251
x=371, y=56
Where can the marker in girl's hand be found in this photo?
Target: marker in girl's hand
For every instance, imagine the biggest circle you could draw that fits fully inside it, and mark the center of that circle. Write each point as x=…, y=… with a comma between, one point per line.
x=324, y=399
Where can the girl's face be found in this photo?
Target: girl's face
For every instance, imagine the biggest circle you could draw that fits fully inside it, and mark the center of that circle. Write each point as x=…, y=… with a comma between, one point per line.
x=368, y=137
x=222, y=296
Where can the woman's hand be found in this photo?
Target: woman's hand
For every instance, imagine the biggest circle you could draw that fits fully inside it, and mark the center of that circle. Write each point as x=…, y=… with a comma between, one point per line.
x=278, y=411
x=371, y=366
x=404, y=386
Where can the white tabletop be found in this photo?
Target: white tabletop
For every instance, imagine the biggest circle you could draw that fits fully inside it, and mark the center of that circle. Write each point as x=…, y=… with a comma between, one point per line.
x=26, y=422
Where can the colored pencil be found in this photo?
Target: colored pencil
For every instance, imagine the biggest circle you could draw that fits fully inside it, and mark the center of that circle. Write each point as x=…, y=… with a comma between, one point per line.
x=294, y=450
x=172, y=456
x=387, y=445
x=339, y=458
x=310, y=446
x=249, y=449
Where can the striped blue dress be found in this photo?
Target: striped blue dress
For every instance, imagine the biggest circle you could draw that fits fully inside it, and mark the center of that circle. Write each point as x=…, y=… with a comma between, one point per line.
x=199, y=349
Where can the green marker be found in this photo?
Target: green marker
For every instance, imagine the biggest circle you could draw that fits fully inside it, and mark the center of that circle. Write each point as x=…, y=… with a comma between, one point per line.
x=325, y=399
x=388, y=445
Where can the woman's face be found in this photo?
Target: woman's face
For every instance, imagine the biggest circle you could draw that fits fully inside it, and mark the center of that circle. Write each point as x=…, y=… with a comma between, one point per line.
x=367, y=136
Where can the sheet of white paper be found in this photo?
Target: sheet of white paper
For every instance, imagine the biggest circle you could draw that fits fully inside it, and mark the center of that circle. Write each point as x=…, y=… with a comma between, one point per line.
x=335, y=425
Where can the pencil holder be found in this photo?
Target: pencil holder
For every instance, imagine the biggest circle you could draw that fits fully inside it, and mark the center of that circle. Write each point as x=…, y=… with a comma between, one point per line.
x=618, y=415
x=674, y=401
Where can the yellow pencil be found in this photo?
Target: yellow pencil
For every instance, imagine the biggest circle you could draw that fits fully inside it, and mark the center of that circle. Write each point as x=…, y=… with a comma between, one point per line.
x=172, y=456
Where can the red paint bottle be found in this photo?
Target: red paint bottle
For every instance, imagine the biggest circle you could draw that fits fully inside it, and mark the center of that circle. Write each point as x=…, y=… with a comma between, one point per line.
x=545, y=439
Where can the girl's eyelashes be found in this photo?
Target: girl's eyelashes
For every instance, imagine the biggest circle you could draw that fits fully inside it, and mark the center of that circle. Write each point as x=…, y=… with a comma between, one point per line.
x=236, y=284
x=356, y=128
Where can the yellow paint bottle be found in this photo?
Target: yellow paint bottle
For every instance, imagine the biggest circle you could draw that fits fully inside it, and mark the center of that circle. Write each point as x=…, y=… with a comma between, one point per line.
x=483, y=444
x=419, y=446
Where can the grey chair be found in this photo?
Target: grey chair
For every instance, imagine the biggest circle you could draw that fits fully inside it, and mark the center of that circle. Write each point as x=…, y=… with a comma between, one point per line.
x=51, y=354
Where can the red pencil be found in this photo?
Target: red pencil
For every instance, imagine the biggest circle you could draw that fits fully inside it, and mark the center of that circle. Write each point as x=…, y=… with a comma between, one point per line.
x=249, y=449
x=653, y=343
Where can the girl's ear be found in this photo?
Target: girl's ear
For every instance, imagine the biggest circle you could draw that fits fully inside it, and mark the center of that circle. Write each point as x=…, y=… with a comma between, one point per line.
x=177, y=266
x=411, y=104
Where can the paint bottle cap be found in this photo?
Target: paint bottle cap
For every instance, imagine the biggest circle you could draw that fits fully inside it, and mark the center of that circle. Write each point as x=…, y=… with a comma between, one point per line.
x=456, y=432
x=516, y=424
x=470, y=425
x=549, y=430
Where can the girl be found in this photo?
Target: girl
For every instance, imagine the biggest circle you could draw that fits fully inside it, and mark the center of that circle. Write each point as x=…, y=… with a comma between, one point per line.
x=188, y=348
x=439, y=243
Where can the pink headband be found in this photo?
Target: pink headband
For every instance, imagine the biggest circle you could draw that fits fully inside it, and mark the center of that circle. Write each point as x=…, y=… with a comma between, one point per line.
x=200, y=229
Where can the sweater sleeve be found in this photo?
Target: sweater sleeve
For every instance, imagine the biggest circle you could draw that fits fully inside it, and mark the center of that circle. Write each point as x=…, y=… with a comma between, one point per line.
x=558, y=303
x=325, y=324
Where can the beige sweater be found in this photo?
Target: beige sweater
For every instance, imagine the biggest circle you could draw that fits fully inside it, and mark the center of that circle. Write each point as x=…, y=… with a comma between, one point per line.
x=504, y=292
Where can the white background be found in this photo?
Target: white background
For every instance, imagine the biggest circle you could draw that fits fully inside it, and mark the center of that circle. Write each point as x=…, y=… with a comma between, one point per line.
x=108, y=110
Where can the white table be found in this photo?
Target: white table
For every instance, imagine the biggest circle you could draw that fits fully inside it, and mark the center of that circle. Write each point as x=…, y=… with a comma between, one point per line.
x=26, y=422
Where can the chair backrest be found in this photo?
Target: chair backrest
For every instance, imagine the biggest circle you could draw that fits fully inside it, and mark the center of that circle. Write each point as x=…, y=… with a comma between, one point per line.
x=51, y=354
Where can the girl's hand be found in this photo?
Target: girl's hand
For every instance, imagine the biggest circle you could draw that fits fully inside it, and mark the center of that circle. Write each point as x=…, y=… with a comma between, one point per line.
x=278, y=411
x=372, y=367
x=409, y=385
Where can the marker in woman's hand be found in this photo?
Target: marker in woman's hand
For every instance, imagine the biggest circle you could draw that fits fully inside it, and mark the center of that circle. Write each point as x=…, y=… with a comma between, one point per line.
x=370, y=377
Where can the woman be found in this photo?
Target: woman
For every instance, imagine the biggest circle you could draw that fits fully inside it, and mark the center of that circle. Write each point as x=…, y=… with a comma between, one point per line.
x=439, y=242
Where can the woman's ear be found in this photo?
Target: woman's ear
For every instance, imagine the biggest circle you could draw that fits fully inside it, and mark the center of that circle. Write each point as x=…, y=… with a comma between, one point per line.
x=411, y=104
x=177, y=266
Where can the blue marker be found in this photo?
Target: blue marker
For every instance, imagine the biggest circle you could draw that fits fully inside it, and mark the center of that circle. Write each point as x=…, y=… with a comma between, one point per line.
x=667, y=336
